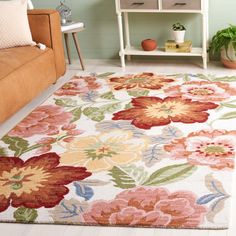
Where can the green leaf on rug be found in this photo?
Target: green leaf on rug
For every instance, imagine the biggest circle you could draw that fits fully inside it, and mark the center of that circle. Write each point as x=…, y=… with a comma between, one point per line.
x=170, y=174
x=3, y=152
x=76, y=114
x=94, y=113
x=128, y=106
x=108, y=96
x=16, y=144
x=225, y=79
x=229, y=105
x=25, y=215
x=66, y=102
x=138, y=93
x=110, y=108
x=227, y=116
x=128, y=176
x=105, y=74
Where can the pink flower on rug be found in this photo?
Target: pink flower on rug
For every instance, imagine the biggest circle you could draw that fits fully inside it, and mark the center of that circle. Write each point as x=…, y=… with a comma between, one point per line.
x=44, y=120
x=202, y=91
x=215, y=149
x=78, y=85
x=144, y=206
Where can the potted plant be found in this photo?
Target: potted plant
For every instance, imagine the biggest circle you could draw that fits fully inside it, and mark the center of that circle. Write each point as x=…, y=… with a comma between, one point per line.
x=178, y=32
x=224, y=42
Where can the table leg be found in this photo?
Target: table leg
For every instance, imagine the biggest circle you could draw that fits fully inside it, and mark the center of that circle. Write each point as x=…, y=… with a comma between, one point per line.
x=78, y=49
x=66, y=36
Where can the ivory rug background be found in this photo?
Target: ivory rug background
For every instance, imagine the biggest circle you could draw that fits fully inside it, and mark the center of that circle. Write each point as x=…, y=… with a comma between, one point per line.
x=159, y=152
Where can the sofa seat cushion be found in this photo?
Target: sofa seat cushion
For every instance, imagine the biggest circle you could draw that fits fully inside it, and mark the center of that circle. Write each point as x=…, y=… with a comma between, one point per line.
x=12, y=59
x=24, y=73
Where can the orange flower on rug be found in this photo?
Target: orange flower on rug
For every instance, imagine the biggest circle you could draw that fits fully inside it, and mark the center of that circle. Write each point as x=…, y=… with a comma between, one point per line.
x=145, y=206
x=202, y=91
x=140, y=81
x=37, y=182
x=215, y=149
x=154, y=111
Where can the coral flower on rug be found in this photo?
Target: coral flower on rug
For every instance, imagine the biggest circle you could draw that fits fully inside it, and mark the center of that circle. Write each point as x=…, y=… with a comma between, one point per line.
x=215, y=149
x=45, y=120
x=202, y=91
x=154, y=111
x=102, y=152
x=37, y=182
x=78, y=85
x=146, y=206
x=140, y=81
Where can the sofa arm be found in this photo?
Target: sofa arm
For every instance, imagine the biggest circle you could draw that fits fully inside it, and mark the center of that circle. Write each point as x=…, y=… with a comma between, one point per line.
x=45, y=28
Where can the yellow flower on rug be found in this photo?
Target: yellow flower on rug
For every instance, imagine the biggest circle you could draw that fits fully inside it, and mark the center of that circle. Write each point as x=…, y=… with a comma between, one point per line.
x=102, y=152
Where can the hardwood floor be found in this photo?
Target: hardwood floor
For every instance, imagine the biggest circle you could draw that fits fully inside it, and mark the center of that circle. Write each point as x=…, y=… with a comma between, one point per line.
x=160, y=66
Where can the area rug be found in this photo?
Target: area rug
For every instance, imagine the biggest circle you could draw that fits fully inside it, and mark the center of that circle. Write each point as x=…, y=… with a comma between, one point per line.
x=139, y=150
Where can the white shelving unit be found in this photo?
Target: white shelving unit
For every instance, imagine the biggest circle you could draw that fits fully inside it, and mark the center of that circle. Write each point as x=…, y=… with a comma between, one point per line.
x=124, y=7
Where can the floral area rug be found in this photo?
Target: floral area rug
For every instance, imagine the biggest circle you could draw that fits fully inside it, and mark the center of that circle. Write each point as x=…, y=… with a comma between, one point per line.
x=140, y=150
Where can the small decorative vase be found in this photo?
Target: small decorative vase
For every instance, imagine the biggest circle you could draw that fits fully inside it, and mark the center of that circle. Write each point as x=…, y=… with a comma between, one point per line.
x=149, y=44
x=228, y=58
x=179, y=35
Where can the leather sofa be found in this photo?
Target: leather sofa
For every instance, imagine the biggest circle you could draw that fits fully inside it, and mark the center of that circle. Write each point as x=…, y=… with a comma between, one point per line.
x=26, y=71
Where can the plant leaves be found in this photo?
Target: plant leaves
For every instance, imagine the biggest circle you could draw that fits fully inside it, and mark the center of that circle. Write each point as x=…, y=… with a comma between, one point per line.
x=3, y=152
x=153, y=155
x=170, y=174
x=121, y=178
x=83, y=191
x=25, y=215
x=71, y=210
x=128, y=106
x=90, y=96
x=105, y=74
x=229, y=105
x=168, y=133
x=94, y=113
x=138, y=93
x=214, y=185
x=227, y=116
x=76, y=114
x=66, y=102
x=225, y=79
x=16, y=144
x=110, y=108
x=94, y=182
x=108, y=96
x=215, y=208
x=207, y=198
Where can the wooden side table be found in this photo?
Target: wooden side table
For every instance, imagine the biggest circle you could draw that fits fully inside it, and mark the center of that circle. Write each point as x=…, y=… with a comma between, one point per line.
x=74, y=32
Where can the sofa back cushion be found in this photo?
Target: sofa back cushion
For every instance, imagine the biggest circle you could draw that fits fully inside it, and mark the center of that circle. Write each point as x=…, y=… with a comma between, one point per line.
x=14, y=25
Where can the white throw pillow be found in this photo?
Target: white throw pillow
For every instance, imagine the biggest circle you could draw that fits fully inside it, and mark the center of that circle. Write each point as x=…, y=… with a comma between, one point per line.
x=14, y=24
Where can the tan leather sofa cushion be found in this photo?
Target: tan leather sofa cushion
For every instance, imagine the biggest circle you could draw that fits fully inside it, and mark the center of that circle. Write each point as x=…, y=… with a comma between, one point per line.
x=24, y=73
x=12, y=59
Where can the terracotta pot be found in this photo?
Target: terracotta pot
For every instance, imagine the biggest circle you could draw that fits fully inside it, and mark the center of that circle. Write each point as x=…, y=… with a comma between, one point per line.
x=149, y=44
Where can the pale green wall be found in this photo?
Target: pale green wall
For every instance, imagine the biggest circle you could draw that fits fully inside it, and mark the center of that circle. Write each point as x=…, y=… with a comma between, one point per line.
x=100, y=39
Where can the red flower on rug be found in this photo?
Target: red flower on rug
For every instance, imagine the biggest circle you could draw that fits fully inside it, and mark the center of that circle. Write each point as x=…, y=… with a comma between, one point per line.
x=45, y=119
x=141, y=81
x=78, y=85
x=146, y=206
x=154, y=111
x=37, y=182
x=215, y=149
x=202, y=91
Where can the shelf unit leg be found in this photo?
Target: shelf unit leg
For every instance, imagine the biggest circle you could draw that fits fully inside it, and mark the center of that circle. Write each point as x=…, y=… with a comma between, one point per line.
x=127, y=32
x=122, y=55
x=204, y=40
